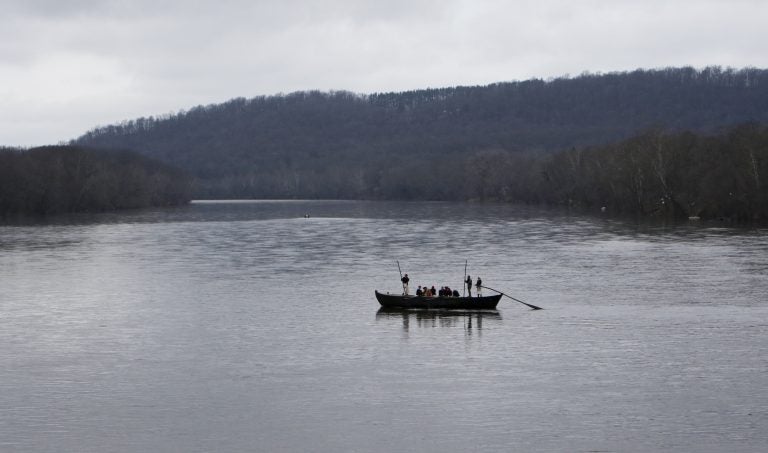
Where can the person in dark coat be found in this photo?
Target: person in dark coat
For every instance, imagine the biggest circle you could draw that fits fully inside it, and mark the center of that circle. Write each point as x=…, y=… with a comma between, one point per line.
x=479, y=286
x=405, y=281
x=469, y=286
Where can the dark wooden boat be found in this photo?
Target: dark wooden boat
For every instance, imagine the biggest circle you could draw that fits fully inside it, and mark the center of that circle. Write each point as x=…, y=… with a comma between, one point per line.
x=452, y=303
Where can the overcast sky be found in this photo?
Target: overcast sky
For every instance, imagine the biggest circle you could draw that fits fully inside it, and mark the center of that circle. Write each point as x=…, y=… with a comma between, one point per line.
x=69, y=65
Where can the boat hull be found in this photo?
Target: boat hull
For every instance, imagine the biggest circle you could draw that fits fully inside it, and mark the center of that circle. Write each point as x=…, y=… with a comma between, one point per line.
x=451, y=303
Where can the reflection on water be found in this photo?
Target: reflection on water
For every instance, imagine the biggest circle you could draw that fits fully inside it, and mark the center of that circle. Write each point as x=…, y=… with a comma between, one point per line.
x=469, y=319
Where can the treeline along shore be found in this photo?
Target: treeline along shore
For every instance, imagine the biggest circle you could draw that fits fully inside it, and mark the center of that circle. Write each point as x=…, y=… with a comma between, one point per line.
x=655, y=173
x=673, y=141
x=60, y=179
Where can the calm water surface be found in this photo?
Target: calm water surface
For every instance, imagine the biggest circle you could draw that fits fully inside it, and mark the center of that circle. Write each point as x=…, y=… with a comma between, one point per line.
x=246, y=327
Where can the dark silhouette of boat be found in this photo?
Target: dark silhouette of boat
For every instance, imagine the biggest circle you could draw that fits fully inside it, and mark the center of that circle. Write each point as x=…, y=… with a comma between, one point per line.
x=439, y=302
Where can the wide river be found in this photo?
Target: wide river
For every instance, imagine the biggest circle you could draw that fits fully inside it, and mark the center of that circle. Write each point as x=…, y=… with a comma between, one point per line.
x=243, y=326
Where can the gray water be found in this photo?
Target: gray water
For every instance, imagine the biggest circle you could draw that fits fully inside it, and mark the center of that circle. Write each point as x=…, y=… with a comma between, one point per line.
x=247, y=327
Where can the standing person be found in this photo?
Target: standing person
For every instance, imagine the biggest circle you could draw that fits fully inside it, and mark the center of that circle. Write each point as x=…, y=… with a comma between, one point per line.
x=469, y=285
x=405, y=281
x=479, y=286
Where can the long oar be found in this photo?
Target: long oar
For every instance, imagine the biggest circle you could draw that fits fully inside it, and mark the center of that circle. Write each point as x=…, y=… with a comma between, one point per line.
x=401, y=275
x=516, y=300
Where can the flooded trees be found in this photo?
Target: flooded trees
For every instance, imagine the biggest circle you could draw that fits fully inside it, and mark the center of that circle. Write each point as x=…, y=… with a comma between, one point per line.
x=667, y=174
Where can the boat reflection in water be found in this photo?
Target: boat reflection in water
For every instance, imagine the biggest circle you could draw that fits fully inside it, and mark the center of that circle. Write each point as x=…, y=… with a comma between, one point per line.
x=470, y=319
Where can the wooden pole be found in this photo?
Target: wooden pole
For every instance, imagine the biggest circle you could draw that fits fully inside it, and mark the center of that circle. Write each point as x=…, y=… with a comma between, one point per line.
x=464, y=282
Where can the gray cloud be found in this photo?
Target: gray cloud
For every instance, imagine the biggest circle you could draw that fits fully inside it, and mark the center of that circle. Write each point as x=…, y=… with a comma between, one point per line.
x=68, y=66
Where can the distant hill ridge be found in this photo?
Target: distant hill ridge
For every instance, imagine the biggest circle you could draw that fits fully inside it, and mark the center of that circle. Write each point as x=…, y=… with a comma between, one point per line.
x=344, y=145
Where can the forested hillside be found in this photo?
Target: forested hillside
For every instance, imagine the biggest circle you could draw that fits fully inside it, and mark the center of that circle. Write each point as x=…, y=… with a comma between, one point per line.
x=419, y=144
x=57, y=179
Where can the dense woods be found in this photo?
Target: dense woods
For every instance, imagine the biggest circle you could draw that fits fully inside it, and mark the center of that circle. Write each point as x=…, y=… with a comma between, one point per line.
x=408, y=145
x=581, y=141
x=57, y=179
x=654, y=173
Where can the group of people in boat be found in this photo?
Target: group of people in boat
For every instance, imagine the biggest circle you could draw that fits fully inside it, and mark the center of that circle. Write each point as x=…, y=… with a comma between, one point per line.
x=444, y=291
x=431, y=292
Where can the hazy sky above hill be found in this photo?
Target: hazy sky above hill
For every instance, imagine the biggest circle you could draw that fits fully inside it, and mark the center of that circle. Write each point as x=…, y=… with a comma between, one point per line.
x=67, y=66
